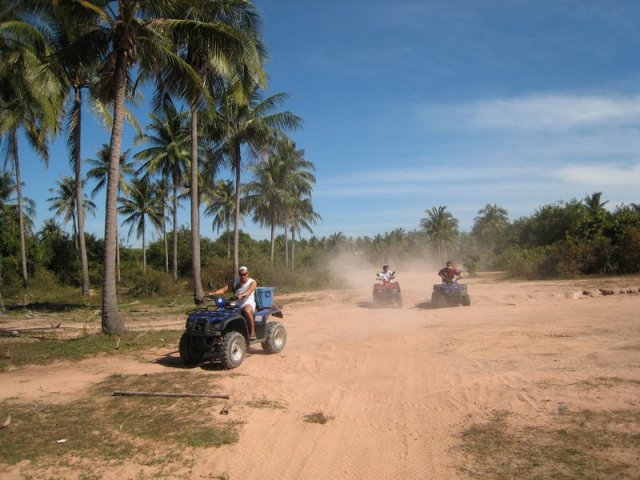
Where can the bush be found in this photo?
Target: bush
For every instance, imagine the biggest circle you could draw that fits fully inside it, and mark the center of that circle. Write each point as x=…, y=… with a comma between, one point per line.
x=149, y=283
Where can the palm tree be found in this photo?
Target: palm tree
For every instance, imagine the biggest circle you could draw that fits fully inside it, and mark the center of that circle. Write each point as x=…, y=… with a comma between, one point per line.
x=302, y=217
x=67, y=22
x=29, y=98
x=100, y=173
x=64, y=204
x=220, y=204
x=168, y=155
x=441, y=228
x=491, y=221
x=130, y=35
x=282, y=181
x=138, y=207
x=594, y=204
x=250, y=124
x=220, y=41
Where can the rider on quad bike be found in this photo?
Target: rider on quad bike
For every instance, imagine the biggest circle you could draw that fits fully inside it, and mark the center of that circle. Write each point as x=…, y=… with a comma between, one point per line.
x=449, y=273
x=387, y=292
x=244, y=293
x=386, y=275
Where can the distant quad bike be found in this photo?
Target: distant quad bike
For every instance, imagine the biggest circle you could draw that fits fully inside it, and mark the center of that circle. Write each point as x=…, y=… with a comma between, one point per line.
x=387, y=293
x=450, y=294
x=220, y=331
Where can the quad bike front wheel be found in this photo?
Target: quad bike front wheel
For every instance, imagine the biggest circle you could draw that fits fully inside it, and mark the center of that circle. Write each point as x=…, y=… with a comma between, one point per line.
x=276, y=338
x=235, y=348
x=188, y=354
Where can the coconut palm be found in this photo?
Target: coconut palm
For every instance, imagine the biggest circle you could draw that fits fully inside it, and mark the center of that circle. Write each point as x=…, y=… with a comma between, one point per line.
x=220, y=41
x=131, y=36
x=99, y=172
x=64, y=204
x=302, y=217
x=141, y=205
x=594, y=204
x=30, y=97
x=441, y=228
x=167, y=155
x=490, y=223
x=220, y=203
x=65, y=22
x=253, y=125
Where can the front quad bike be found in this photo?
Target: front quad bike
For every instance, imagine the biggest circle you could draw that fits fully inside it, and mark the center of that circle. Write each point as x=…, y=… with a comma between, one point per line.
x=220, y=331
x=449, y=294
x=387, y=293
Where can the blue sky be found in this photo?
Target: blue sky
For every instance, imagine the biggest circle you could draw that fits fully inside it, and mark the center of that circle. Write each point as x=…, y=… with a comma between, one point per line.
x=410, y=104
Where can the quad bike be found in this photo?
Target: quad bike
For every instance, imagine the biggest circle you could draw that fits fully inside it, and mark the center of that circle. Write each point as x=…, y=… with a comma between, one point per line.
x=221, y=331
x=387, y=292
x=450, y=294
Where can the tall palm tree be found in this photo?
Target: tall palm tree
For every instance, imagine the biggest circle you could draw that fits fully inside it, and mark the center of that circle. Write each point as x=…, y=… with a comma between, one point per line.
x=253, y=125
x=220, y=203
x=280, y=184
x=491, y=221
x=168, y=155
x=220, y=41
x=441, y=227
x=140, y=206
x=30, y=98
x=64, y=204
x=99, y=172
x=302, y=217
x=130, y=35
x=67, y=21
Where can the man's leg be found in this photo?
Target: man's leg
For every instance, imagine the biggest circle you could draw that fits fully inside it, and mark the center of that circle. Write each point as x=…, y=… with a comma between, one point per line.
x=248, y=313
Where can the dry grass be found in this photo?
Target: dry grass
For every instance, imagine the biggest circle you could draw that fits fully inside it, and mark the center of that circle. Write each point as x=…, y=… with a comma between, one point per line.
x=585, y=445
x=103, y=428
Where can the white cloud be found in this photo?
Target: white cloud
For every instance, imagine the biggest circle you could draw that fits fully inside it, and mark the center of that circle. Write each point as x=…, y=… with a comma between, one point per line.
x=600, y=176
x=544, y=113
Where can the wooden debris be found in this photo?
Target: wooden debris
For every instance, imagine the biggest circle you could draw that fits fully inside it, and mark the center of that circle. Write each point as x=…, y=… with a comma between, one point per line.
x=168, y=394
x=7, y=422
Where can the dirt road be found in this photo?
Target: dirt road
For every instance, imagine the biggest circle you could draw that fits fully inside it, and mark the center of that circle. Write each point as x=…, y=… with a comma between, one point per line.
x=397, y=386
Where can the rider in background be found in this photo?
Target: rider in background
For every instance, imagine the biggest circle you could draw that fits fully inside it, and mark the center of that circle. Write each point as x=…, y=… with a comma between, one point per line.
x=244, y=292
x=386, y=275
x=449, y=273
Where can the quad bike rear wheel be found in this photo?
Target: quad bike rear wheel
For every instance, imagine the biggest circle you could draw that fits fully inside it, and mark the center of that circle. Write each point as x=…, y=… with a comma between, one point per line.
x=438, y=300
x=466, y=300
x=188, y=354
x=235, y=348
x=276, y=338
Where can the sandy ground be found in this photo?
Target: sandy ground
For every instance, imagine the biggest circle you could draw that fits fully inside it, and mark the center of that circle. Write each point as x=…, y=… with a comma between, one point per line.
x=398, y=385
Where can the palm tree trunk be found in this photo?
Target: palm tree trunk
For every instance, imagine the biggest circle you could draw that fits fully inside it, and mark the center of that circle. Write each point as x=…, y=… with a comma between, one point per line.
x=175, y=232
x=198, y=292
x=144, y=249
x=77, y=163
x=23, y=252
x=293, y=250
x=112, y=322
x=2, y=308
x=166, y=242
x=286, y=246
x=118, y=249
x=236, y=217
x=228, y=239
x=273, y=240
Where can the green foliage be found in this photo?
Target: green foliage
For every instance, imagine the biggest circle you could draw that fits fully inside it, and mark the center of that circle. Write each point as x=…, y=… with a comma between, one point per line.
x=147, y=283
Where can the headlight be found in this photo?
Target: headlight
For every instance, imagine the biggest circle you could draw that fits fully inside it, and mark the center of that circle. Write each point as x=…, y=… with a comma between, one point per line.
x=221, y=302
